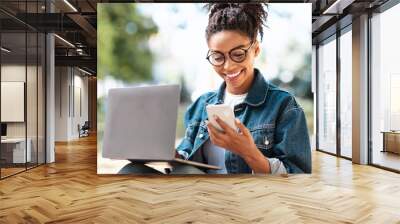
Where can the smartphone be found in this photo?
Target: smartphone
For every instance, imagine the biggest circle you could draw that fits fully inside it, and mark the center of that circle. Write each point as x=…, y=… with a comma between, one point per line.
x=224, y=112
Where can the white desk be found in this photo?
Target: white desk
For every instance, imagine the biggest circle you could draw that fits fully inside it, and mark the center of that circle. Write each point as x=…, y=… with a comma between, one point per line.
x=18, y=150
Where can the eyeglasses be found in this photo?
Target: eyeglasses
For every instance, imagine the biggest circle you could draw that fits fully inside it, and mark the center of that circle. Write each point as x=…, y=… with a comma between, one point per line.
x=237, y=55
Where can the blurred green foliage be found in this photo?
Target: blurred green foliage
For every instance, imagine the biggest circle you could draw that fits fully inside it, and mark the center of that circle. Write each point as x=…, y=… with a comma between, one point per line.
x=100, y=118
x=123, y=51
x=300, y=85
x=308, y=108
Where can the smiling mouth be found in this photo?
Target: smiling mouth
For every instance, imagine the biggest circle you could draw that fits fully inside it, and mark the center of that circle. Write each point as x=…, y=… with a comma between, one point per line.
x=234, y=75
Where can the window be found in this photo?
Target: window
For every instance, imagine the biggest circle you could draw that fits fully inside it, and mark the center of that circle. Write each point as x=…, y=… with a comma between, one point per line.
x=346, y=94
x=385, y=89
x=327, y=96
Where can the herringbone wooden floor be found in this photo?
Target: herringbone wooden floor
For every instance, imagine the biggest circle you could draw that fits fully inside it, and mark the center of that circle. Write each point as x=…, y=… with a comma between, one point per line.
x=70, y=191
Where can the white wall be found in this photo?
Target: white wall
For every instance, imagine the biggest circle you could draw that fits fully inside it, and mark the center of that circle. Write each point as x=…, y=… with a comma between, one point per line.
x=71, y=94
x=61, y=103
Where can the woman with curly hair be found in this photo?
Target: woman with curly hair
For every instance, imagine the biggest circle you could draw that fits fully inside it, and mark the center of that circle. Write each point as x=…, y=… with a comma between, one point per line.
x=273, y=136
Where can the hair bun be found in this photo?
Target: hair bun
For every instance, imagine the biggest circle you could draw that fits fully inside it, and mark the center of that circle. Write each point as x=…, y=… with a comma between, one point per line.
x=246, y=17
x=249, y=8
x=215, y=7
x=256, y=11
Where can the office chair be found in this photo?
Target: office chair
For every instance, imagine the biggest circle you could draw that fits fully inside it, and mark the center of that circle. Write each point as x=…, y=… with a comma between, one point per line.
x=84, y=130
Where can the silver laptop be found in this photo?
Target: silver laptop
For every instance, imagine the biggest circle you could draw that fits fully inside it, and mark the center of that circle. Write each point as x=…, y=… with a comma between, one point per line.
x=141, y=124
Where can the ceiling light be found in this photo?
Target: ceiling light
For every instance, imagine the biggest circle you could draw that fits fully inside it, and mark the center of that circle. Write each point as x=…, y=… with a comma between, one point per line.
x=64, y=40
x=337, y=7
x=5, y=49
x=84, y=71
x=70, y=5
x=79, y=51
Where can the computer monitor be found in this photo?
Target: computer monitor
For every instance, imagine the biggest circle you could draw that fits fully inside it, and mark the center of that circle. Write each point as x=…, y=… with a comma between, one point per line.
x=3, y=129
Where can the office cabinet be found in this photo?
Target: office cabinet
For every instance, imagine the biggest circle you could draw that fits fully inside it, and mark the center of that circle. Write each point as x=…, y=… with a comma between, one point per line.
x=391, y=142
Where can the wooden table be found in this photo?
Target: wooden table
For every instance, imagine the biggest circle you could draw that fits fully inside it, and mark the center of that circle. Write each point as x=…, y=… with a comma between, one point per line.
x=391, y=141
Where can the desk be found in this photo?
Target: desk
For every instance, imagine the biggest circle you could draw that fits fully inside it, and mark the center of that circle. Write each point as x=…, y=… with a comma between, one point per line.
x=13, y=150
x=391, y=141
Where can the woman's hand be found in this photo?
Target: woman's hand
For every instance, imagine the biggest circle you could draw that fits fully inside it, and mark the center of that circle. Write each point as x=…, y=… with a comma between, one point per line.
x=241, y=143
x=177, y=155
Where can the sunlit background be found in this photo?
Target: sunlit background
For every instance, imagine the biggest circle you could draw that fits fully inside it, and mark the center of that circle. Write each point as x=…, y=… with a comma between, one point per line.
x=153, y=43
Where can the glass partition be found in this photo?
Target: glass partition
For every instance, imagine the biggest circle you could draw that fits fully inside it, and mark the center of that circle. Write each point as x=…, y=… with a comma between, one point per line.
x=385, y=88
x=22, y=78
x=346, y=94
x=14, y=153
x=31, y=100
x=327, y=96
x=41, y=96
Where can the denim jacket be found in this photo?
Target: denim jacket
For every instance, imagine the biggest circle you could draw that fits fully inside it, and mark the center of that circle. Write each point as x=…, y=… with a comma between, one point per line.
x=273, y=117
